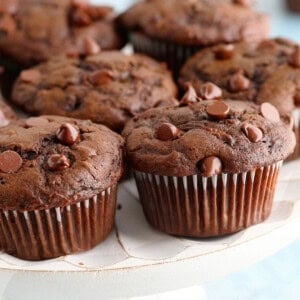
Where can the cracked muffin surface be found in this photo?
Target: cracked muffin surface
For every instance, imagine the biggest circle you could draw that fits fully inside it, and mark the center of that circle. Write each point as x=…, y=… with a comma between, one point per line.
x=53, y=161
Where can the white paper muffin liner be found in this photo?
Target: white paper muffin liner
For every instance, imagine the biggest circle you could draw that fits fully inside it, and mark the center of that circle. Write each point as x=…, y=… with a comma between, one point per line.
x=296, y=120
x=174, y=55
x=198, y=206
x=49, y=233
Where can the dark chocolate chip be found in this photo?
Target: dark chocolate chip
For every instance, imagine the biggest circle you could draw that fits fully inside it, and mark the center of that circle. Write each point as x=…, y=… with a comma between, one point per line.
x=36, y=122
x=68, y=134
x=91, y=47
x=31, y=76
x=210, y=91
x=101, y=77
x=3, y=120
x=58, y=162
x=10, y=161
x=167, y=132
x=270, y=112
x=211, y=166
x=218, y=110
x=190, y=95
x=223, y=52
x=253, y=133
x=295, y=58
x=239, y=82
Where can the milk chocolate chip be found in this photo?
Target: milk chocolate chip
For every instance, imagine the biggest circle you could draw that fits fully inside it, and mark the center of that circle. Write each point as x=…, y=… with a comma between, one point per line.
x=91, y=47
x=167, y=132
x=223, y=52
x=270, y=112
x=190, y=95
x=211, y=166
x=210, y=91
x=218, y=110
x=68, y=134
x=239, y=82
x=10, y=161
x=295, y=58
x=58, y=162
x=253, y=133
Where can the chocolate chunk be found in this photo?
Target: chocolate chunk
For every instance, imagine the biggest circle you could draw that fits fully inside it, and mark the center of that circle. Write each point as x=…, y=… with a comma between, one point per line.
x=167, y=132
x=3, y=120
x=36, y=122
x=297, y=98
x=295, y=58
x=224, y=51
x=68, y=134
x=58, y=162
x=31, y=76
x=270, y=112
x=211, y=166
x=218, y=110
x=190, y=95
x=239, y=82
x=91, y=47
x=101, y=77
x=253, y=133
x=210, y=91
x=10, y=161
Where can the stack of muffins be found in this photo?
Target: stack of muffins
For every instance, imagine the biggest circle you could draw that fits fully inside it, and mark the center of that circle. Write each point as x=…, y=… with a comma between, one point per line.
x=206, y=163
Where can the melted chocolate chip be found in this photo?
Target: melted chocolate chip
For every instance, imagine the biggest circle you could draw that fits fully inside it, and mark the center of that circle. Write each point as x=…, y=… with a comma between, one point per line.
x=30, y=76
x=190, y=95
x=167, y=132
x=10, y=161
x=211, y=166
x=68, y=134
x=223, y=52
x=270, y=112
x=91, y=47
x=101, y=77
x=58, y=162
x=218, y=110
x=253, y=133
x=210, y=91
x=239, y=82
x=295, y=58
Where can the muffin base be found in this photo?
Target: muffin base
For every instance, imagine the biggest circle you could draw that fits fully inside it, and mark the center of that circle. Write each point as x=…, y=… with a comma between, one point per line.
x=49, y=233
x=196, y=206
x=174, y=55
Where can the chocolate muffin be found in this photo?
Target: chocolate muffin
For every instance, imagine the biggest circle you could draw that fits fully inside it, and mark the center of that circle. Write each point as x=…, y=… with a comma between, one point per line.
x=172, y=30
x=108, y=88
x=207, y=168
x=268, y=71
x=6, y=113
x=58, y=179
x=32, y=31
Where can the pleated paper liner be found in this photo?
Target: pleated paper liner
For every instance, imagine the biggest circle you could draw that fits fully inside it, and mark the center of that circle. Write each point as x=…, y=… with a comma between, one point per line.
x=296, y=120
x=174, y=55
x=49, y=233
x=196, y=206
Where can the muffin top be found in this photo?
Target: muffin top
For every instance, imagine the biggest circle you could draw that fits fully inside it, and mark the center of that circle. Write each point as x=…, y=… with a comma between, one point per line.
x=207, y=138
x=31, y=31
x=53, y=161
x=108, y=88
x=196, y=22
x=267, y=71
x=6, y=113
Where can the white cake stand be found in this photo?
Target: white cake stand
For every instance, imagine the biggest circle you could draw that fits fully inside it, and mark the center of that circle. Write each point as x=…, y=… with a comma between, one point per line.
x=137, y=260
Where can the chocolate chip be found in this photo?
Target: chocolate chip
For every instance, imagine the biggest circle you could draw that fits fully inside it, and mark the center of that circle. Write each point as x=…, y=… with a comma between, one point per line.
x=218, y=110
x=167, y=132
x=224, y=51
x=91, y=47
x=295, y=58
x=270, y=112
x=36, y=122
x=211, y=166
x=68, y=134
x=190, y=95
x=253, y=133
x=297, y=98
x=30, y=76
x=101, y=77
x=3, y=120
x=239, y=82
x=210, y=91
x=58, y=162
x=10, y=161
